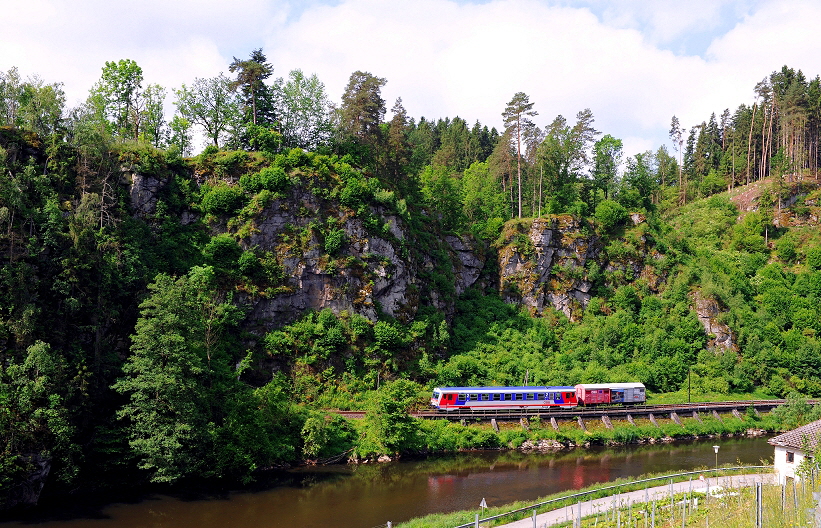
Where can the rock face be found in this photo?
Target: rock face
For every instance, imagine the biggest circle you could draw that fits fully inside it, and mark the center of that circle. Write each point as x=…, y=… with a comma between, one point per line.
x=26, y=492
x=380, y=267
x=543, y=265
x=371, y=272
x=142, y=190
x=720, y=335
x=549, y=262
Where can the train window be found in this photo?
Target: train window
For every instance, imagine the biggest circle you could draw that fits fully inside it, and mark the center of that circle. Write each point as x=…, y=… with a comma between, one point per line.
x=474, y=397
x=461, y=397
x=496, y=397
x=539, y=396
x=529, y=396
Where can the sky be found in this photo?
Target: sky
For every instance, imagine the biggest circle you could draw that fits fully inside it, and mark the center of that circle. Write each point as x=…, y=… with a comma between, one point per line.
x=634, y=63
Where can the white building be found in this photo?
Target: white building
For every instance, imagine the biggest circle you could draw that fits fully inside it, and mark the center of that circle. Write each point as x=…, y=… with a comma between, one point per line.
x=791, y=449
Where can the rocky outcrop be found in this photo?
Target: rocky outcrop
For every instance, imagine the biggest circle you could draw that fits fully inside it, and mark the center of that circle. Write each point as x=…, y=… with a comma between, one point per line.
x=26, y=491
x=543, y=265
x=142, y=190
x=371, y=272
x=547, y=263
x=719, y=334
x=468, y=263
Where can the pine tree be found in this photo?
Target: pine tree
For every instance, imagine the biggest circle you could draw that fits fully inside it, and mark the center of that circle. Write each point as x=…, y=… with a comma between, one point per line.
x=517, y=116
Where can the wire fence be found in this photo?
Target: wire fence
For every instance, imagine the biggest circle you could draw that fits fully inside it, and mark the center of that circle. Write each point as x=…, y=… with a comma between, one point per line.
x=576, y=496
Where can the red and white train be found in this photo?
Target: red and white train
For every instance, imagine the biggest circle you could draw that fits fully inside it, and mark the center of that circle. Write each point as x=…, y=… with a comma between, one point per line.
x=539, y=397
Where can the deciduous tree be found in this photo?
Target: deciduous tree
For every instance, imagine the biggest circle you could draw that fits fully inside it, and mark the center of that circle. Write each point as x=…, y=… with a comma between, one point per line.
x=304, y=112
x=211, y=104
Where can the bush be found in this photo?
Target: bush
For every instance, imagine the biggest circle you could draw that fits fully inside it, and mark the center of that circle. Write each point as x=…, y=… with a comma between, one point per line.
x=355, y=193
x=222, y=252
x=222, y=199
x=334, y=241
x=264, y=139
x=609, y=215
x=814, y=258
x=786, y=248
x=272, y=179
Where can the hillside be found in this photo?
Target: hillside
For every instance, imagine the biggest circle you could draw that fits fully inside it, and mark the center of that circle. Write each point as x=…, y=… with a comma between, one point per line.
x=166, y=317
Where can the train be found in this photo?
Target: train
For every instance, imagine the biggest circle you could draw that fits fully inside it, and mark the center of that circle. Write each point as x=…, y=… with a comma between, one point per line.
x=537, y=397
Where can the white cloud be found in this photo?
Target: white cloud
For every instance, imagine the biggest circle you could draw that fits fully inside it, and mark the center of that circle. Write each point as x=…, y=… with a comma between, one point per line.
x=444, y=58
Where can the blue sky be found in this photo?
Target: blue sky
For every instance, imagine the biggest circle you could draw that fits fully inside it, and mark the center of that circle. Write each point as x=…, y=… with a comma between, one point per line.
x=634, y=63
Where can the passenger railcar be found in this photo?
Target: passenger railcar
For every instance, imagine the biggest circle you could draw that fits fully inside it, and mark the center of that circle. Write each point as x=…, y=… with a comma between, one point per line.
x=486, y=398
x=590, y=394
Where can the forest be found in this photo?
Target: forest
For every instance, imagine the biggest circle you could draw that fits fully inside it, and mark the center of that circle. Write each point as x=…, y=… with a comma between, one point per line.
x=138, y=278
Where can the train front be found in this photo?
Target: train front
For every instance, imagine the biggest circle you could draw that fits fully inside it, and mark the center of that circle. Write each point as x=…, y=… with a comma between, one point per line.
x=434, y=400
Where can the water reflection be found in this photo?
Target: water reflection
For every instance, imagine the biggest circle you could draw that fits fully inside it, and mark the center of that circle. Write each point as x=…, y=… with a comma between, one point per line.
x=369, y=495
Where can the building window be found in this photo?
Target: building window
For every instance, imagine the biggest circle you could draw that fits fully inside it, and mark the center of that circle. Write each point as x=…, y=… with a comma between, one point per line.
x=790, y=457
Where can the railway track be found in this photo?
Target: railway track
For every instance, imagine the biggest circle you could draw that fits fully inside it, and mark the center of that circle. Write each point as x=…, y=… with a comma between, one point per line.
x=596, y=412
x=610, y=411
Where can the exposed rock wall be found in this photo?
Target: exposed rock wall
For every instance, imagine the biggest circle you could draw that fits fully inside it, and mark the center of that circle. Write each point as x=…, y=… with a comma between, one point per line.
x=26, y=492
x=720, y=335
x=142, y=190
x=543, y=265
x=372, y=272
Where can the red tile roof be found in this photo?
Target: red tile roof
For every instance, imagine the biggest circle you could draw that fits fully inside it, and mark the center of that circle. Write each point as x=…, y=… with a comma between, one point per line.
x=795, y=439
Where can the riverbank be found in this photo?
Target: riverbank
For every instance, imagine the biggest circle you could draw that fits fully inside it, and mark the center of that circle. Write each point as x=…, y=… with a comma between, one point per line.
x=353, y=496
x=442, y=436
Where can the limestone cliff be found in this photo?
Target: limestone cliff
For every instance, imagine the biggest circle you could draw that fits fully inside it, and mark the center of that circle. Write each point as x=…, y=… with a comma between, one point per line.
x=554, y=262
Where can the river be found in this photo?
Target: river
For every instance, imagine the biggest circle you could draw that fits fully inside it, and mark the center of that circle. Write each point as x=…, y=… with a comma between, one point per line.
x=369, y=495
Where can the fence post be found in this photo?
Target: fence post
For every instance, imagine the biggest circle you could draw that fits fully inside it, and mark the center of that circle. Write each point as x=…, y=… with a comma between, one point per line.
x=476, y=524
x=759, y=511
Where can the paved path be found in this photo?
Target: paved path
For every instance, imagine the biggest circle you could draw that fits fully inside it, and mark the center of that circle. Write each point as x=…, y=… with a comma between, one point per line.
x=658, y=493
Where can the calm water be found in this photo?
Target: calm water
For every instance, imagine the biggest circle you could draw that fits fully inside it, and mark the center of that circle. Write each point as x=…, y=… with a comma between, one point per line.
x=369, y=495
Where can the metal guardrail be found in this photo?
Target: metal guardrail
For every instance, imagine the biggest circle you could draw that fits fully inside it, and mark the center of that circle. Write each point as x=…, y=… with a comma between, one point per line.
x=599, y=490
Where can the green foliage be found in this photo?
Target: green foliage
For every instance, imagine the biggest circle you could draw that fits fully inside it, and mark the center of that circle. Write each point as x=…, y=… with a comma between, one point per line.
x=223, y=253
x=36, y=397
x=325, y=435
x=610, y=215
x=389, y=428
x=264, y=139
x=814, y=258
x=270, y=178
x=334, y=239
x=187, y=414
x=222, y=200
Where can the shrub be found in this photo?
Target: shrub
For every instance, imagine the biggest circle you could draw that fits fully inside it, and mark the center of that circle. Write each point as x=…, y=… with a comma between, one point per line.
x=355, y=192
x=786, y=249
x=264, y=139
x=334, y=241
x=814, y=258
x=222, y=199
x=609, y=215
x=222, y=252
x=270, y=178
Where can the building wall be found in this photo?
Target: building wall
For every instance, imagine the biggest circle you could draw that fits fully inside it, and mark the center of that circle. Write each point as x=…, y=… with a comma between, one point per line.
x=783, y=467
